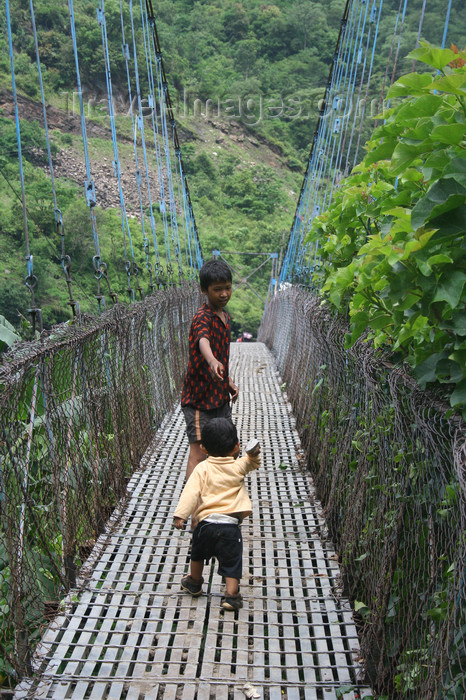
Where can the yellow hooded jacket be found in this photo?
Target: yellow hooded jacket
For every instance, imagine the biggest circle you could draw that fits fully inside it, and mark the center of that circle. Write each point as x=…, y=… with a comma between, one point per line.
x=216, y=485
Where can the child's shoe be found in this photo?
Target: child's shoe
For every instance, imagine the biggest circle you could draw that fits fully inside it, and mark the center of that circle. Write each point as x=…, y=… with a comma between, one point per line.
x=189, y=584
x=233, y=601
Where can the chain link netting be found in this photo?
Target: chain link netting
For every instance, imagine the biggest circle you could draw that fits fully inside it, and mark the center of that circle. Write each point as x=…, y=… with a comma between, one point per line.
x=389, y=464
x=78, y=409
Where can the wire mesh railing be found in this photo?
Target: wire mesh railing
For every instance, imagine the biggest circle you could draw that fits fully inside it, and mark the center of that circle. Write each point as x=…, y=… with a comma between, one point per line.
x=389, y=464
x=78, y=409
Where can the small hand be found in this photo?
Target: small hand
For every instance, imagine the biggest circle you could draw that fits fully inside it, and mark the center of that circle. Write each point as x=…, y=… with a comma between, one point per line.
x=178, y=523
x=216, y=369
x=234, y=391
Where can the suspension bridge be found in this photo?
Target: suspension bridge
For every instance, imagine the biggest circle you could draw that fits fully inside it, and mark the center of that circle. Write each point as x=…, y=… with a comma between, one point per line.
x=354, y=555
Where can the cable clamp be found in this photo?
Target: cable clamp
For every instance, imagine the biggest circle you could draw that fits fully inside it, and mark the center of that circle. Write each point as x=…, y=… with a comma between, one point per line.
x=89, y=189
x=100, y=16
x=58, y=217
x=97, y=269
x=30, y=281
x=126, y=54
x=29, y=265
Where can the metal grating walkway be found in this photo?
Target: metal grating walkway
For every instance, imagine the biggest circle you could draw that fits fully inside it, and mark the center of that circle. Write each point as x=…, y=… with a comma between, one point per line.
x=131, y=634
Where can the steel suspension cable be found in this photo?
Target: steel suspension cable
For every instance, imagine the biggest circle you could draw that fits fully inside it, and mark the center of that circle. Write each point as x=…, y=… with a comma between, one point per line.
x=291, y=245
x=100, y=267
x=418, y=38
x=156, y=135
x=145, y=242
x=389, y=56
x=363, y=113
x=331, y=126
x=169, y=111
x=447, y=22
x=130, y=265
x=59, y=225
x=31, y=279
x=140, y=124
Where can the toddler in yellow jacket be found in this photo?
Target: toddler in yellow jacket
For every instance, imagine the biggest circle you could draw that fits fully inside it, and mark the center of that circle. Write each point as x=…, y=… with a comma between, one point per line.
x=215, y=495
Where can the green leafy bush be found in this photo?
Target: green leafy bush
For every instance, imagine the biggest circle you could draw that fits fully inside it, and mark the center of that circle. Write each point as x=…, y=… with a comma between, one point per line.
x=395, y=251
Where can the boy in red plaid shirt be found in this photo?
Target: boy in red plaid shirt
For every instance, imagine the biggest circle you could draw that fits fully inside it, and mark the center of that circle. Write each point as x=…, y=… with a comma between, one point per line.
x=208, y=388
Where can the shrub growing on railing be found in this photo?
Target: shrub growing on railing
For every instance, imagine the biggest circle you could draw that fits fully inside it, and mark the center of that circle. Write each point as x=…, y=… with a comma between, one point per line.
x=393, y=240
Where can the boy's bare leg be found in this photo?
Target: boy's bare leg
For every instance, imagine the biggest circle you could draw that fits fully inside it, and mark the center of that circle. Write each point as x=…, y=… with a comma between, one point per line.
x=195, y=456
x=231, y=585
x=196, y=570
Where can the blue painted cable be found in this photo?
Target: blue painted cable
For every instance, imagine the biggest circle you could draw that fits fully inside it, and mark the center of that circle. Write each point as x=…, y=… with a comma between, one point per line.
x=144, y=145
x=145, y=242
x=60, y=228
x=131, y=267
x=100, y=268
x=155, y=130
x=31, y=279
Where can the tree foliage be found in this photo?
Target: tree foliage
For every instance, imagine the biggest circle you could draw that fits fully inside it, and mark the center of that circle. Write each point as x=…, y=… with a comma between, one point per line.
x=393, y=241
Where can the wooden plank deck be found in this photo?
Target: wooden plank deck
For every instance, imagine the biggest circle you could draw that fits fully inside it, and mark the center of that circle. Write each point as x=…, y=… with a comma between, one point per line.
x=132, y=634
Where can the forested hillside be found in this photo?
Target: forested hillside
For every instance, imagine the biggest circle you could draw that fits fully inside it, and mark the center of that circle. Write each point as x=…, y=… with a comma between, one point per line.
x=245, y=80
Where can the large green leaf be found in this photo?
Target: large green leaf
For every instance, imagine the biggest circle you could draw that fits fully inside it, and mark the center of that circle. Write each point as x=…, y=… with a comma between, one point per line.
x=450, y=288
x=450, y=225
x=358, y=326
x=403, y=157
x=425, y=106
x=433, y=56
x=8, y=337
x=382, y=152
x=444, y=195
x=409, y=85
x=436, y=161
x=452, y=134
x=425, y=371
x=457, y=170
x=458, y=397
x=455, y=84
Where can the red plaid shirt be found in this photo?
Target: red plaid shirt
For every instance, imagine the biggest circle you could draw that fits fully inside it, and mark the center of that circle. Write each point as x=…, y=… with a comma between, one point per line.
x=199, y=389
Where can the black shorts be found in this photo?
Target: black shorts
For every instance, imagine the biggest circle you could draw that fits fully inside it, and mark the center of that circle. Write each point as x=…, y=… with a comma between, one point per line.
x=222, y=541
x=196, y=419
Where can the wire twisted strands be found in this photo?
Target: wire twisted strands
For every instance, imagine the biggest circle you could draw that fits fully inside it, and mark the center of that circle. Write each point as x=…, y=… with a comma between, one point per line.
x=132, y=633
x=388, y=462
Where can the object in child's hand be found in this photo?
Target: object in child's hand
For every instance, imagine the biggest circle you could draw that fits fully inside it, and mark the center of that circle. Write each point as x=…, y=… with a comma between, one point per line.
x=250, y=691
x=253, y=447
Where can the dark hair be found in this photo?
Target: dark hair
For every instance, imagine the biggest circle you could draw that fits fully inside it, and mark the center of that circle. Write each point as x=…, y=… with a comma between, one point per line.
x=214, y=271
x=219, y=437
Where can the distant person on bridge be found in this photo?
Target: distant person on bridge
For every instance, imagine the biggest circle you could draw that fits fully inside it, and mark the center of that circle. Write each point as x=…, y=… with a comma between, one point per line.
x=208, y=388
x=216, y=496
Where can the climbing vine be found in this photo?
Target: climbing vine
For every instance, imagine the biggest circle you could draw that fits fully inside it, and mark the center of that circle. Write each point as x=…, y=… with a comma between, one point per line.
x=393, y=246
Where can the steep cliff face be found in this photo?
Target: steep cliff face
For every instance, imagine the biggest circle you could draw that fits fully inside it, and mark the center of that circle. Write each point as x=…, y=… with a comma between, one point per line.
x=215, y=138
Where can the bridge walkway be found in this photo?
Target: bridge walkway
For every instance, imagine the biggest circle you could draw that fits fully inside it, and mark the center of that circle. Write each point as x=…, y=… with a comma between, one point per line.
x=130, y=633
